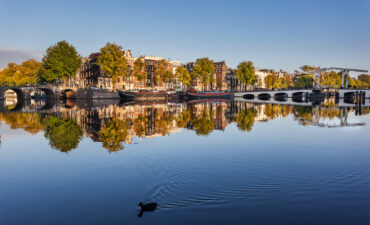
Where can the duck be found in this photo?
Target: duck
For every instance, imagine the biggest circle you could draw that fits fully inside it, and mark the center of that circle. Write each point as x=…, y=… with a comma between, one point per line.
x=146, y=207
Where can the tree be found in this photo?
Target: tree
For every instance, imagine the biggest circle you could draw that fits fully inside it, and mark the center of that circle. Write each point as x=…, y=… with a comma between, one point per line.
x=304, y=81
x=61, y=61
x=139, y=69
x=162, y=72
x=183, y=75
x=286, y=81
x=330, y=79
x=204, y=70
x=272, y=81
x=113, y=133
x=26, y=73
x=363, y=81
x=63, y=134
x=307, y=68
x=245, y=74
x=113, y=62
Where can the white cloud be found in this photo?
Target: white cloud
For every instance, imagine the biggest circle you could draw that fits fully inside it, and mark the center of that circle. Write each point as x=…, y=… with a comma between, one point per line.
x=8, y=55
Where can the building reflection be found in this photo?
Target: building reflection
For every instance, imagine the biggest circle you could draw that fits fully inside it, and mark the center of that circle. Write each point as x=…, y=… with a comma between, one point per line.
x=116, y=125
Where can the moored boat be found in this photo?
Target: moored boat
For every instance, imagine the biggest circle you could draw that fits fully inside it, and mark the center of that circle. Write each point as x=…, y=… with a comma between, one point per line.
x=143, y=95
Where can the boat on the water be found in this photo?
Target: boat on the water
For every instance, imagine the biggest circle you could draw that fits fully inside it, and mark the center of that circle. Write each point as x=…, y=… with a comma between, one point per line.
x=208, y=95
x=144, y=95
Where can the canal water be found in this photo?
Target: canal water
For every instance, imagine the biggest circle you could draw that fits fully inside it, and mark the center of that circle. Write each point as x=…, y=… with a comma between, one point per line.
x=214, y=162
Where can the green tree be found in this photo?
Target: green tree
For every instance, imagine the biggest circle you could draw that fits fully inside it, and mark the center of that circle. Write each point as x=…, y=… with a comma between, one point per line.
x=113, y=62
x=139, y=69
x=60, y=62
x=204, y=69
x=245, y=73
x=113, y=133
x=183, y=75
x=63, y=134
x=304, y=81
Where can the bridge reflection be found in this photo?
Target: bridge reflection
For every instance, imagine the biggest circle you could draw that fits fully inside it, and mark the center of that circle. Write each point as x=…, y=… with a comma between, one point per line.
x=116, y=123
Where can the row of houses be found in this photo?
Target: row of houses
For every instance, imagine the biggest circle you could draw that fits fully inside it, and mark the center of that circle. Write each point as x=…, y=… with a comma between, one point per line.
x=90, y=75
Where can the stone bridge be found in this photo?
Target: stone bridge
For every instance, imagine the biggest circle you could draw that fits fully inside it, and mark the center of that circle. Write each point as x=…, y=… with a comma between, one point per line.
x=25, y=92
x=341, y=102
x=298, y=93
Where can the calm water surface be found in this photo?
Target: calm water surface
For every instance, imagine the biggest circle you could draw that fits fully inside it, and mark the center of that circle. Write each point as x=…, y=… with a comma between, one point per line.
x=202, y=162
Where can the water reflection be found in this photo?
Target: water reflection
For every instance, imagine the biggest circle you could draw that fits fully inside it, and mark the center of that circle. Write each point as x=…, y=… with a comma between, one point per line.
x=116, y=124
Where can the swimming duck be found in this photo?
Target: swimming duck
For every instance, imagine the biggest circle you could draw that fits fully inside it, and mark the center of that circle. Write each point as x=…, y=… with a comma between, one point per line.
x=146, y=207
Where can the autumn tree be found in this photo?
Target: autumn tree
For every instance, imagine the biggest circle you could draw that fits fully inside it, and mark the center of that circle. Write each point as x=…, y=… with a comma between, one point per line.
x=286, y=81
x=272, y=80
x=60, y=62
x=204, y=69
x=307, y=68
x=183, y=75
x=139, y=69
x=113, y=63
x=162, y=72
x=363, y=81
x=245, y=74
x=331, y=79
x=24, y=74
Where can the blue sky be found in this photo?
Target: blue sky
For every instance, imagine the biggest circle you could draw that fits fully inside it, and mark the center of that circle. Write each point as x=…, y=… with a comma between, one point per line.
x=273, y=34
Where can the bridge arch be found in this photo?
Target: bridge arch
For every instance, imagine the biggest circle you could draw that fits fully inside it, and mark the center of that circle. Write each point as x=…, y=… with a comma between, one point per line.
x=248, y=96
x=49, y=93
x=280, y=96
x=68, y=93
x=264, y=96
x=20, y=98
x=299, y=96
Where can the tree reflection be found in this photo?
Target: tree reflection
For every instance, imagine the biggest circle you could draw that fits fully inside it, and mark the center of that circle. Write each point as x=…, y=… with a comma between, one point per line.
x=273, y=111
x=113, y=133
x=163, y=122
x=245, y=119
x=114, y=124
x=29, y=122
x=139, y=125
x=183, y=118
x=63, y=134
x=204, y=124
